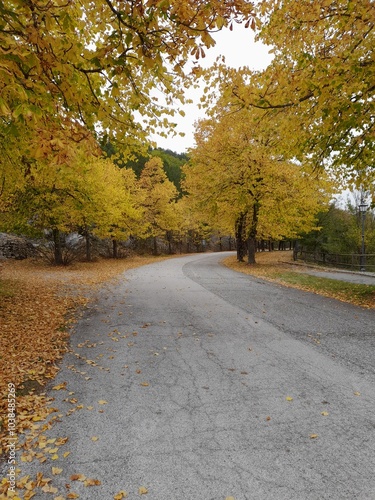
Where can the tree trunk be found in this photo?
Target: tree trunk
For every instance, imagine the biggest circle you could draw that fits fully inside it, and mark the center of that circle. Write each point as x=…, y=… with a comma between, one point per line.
x=88, y=245
x=239, y=233
x=251, y=249
x=252, y=238
x=155, y=246
x=169, y=239
x=114, y=248
x=57, y=247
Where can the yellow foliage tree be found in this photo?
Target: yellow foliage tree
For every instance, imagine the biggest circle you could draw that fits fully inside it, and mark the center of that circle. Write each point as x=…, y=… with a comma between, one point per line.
x=319, y=88
x=238, y=180
x=157, y=200
x=70, y=189
x=98, y=62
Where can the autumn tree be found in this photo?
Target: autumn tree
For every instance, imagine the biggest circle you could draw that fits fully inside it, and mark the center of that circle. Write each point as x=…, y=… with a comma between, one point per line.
x=236, y=177
x=158, y=198
x=70, y=189
x=103, y=62
x=319, y=88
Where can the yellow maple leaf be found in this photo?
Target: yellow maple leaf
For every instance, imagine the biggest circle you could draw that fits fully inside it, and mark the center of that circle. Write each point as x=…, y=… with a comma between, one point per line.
x=55, y=457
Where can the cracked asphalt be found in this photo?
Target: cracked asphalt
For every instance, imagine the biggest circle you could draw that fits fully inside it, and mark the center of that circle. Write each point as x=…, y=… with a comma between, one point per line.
x=215, y=383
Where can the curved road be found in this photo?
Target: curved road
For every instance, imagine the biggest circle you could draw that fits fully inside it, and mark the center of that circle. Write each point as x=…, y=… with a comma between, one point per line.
x=217, y=385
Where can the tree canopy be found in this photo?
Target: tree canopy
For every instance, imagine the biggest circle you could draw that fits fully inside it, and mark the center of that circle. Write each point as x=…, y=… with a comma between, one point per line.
x=103, y=63
x=318, y=92
x=240, y=185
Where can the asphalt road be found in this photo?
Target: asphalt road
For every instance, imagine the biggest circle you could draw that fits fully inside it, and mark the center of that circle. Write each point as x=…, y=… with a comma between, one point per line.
x=216, y=384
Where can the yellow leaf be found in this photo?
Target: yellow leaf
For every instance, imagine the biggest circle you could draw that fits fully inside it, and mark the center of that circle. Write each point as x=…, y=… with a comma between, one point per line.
x=102, y=402
x=289, y=398
x=47, y=488
x=145, y=384
x=72, y=495
x=55, y=457
x=59, y=498
x=120, y=495
x=56, y=470
x=357, y=393
x=59, y=387
x=92, y=482
x=77, y=477
x=325, y=413
x=230, y=498
x=313, y=436
x=142, y=490
x=94, y=438
x=66, y=454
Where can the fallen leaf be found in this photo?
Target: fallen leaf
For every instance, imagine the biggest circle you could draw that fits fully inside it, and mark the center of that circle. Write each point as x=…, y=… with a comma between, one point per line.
x=47, y=488
x=120, y=495
x=313, y=436
x=357, y=393
x=230, y=498
x=325, y=413
x=145, y=384
x=94, y=438
x=289, y=398
x=142, y=490
x=92, y=482
x=102, y=402
x=59, y=387
x=72, y=495
x=77, y=477
x=268, y=418
x=56, y=471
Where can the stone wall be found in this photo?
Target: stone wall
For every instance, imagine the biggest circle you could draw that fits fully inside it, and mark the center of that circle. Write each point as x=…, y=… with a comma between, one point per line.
x=15, y=247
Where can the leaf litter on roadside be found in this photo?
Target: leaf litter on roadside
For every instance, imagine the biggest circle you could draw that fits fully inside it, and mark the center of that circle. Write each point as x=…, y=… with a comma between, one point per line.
x=36, y=316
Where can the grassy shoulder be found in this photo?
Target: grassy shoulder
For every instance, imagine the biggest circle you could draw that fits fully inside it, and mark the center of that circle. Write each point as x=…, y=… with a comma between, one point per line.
x=273, y=266
x=38, y=304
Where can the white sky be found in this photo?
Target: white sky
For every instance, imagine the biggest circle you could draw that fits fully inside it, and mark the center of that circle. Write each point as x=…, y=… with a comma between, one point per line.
x=239, y=49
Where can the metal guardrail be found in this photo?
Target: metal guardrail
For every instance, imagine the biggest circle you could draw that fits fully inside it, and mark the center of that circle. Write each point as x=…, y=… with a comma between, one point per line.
x=354, y=262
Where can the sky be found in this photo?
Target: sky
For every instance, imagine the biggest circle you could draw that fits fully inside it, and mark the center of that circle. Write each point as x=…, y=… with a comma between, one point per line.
x=240, y=49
